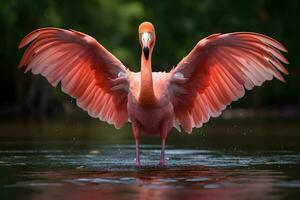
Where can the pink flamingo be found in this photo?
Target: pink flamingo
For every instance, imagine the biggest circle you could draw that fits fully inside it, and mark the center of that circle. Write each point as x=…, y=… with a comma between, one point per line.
x=216, y=72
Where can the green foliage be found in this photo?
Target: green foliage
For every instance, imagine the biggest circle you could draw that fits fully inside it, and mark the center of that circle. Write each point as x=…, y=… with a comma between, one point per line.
x=179, y=26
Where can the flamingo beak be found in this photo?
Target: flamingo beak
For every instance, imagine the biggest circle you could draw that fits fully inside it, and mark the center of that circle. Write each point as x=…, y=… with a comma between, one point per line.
x=146, y=37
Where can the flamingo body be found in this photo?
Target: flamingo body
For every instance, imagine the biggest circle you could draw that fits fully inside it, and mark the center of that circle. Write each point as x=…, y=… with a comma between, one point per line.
x=151, y=119
x=216, y=72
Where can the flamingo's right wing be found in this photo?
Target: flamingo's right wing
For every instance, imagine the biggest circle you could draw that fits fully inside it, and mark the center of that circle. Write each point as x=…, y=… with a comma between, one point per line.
x=216, y=72
x=86, y=70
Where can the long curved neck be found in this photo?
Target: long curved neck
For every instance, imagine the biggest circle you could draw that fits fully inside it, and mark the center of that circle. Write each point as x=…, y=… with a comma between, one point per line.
x=146, y=97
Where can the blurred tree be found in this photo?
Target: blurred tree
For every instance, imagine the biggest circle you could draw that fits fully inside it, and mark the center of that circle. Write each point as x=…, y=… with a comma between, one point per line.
x=182, y=24
x=179, y=26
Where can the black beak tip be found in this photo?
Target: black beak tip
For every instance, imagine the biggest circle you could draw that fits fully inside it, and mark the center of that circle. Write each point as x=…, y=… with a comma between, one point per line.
x=146, y=52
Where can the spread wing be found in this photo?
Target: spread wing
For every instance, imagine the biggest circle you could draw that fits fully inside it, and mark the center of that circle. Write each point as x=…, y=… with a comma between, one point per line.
x=217, y=71
x=86, y=70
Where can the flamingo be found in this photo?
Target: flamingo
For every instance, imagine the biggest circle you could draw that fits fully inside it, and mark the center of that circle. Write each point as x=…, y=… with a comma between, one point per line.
x=216, y=72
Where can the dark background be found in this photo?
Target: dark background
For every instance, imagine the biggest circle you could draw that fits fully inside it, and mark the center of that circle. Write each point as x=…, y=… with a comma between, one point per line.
x=27, y=99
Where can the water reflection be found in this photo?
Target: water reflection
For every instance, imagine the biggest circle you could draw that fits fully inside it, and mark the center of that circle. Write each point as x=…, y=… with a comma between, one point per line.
x=195, y=182
x=108, y=172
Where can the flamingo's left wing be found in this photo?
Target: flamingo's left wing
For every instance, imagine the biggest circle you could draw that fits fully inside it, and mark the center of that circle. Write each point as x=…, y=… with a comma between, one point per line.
x=216, y=72
x=86, y=70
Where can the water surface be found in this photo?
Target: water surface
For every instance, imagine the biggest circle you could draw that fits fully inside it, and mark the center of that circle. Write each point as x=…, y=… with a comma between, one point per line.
x=74, y=170
x=72, y=159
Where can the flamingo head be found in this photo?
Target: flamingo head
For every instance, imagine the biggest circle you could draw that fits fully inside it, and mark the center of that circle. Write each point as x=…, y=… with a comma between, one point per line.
x=147, y=38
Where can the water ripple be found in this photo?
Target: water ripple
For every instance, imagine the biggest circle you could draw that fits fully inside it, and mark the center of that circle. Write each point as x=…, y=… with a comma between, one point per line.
x=120, y=156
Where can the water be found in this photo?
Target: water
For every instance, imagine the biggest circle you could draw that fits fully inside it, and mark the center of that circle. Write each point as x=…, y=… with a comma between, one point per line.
x=90, y=160
x=76, y=170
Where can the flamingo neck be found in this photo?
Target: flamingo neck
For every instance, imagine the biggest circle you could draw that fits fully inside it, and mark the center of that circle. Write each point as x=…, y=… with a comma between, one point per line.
x=146, y=97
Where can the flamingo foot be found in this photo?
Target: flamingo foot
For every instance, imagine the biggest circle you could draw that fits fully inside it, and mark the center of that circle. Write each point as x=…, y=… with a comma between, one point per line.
x=162, y=154
x=138, y=163
x=162, y=163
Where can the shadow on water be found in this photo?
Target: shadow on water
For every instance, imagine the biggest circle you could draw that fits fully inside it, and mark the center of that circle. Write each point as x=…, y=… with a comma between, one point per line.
x=75, y=171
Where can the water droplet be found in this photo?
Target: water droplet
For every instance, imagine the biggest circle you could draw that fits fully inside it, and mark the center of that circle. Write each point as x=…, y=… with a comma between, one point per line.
x=94, y=152
x=80, y=167
x=211, y=186
x=199, y=179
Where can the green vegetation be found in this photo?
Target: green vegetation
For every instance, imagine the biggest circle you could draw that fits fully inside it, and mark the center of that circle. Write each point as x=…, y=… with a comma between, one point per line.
x=179, y=25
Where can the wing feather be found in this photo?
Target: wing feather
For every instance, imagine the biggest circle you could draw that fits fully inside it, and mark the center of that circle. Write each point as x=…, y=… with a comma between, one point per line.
x=86, y=70
x=218, y=70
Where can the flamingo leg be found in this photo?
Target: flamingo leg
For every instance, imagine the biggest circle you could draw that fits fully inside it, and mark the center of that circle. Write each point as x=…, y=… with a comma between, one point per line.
x=136, y=134
x=162, y=153
x=137, y=153
x=163, y=136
